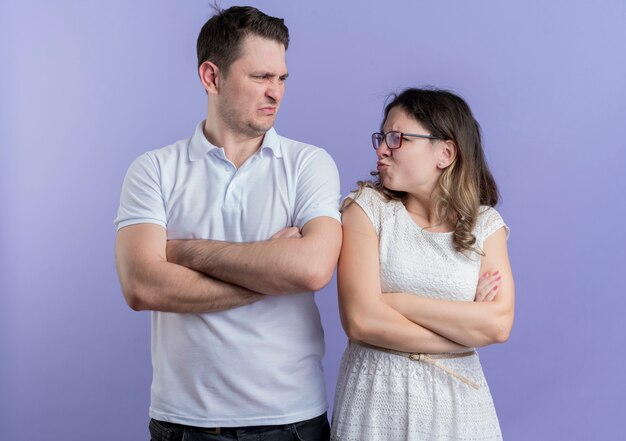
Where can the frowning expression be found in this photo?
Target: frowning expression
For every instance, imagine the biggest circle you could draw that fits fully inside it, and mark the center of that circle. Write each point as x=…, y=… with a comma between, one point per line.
x=250, y=93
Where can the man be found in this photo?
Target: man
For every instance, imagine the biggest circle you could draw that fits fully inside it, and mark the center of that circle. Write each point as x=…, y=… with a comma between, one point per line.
x=236, y=336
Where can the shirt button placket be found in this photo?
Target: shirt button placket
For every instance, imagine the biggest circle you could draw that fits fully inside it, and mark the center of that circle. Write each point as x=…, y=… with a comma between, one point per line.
x=231, y=189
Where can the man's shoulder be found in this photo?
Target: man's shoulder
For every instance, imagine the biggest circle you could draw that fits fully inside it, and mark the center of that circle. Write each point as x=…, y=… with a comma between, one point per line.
x=168, y=154
x=295, y=143
x=299, y=149
x=176, y=148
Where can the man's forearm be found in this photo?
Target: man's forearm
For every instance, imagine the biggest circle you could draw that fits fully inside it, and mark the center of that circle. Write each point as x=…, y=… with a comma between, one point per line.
x=277, y=266
x=174, y=288
x=149, y=282
x=270, y=267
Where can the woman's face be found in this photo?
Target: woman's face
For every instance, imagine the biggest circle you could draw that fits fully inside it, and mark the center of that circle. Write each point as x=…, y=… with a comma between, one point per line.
x=414, y=167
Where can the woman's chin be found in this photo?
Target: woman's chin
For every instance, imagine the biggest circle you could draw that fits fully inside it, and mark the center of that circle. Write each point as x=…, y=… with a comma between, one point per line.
x=389, y=185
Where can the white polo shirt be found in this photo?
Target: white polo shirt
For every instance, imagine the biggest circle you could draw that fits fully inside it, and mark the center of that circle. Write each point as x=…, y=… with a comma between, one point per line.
x=257, y=364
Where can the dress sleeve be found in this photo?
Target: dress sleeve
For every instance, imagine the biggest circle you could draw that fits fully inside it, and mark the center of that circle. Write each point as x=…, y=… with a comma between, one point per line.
x=141, y=201
x=490, y=221
x=372, y=203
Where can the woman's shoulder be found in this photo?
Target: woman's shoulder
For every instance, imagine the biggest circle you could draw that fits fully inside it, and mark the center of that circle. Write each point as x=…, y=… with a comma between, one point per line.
x=369, y=195
x=375, y=200
x=489, y=221
x=376, y=205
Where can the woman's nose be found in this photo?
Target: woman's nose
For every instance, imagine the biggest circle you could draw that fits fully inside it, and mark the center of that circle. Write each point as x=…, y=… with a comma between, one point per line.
x=383, y=150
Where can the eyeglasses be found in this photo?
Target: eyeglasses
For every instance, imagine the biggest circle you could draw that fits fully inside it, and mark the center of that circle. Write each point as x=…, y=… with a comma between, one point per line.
x=394, y=139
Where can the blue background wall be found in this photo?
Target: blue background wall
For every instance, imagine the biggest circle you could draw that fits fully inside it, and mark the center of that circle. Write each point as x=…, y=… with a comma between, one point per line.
x=87, y=86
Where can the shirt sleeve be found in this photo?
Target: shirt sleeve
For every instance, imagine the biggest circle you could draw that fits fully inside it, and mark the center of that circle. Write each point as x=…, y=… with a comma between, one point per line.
x=317, y=191
x=141, y=200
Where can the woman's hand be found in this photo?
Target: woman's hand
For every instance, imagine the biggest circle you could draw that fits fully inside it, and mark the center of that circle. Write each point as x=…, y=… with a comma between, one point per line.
x=486, y=320
x=487, y=287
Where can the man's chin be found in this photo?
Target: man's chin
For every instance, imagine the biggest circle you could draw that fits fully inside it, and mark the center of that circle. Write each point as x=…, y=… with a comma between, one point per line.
x=260, y=129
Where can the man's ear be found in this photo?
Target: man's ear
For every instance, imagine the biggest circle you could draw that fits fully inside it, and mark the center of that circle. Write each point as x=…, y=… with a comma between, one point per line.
x=448, y=154
x=210, y=77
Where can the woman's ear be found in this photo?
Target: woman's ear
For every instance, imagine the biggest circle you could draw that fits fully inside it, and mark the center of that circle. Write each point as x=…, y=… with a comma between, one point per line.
x=209, y=76
x=447, y=154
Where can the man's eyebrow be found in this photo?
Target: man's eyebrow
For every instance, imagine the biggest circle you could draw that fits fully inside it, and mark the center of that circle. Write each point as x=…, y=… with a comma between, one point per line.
x=270, y=74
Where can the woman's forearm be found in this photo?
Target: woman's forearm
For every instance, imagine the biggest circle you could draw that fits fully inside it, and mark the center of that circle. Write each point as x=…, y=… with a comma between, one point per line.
x=381, y=325
x=471, y=324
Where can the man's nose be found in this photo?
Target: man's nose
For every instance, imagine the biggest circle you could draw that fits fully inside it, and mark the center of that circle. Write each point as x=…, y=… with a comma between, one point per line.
x=275, y=90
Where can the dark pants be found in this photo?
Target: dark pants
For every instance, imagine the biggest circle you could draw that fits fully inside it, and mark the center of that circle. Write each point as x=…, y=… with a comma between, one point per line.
x=315, y=429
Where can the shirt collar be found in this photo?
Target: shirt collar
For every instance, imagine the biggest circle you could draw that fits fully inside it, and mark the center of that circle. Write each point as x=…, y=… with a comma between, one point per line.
x=199, y=146
x=271, y=141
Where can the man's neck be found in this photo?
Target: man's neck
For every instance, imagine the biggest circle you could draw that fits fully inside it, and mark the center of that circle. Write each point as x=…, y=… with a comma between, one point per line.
x=237, y=147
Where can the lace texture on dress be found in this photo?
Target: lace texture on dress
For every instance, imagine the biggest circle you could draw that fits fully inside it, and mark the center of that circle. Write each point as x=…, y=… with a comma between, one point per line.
x=383, y=396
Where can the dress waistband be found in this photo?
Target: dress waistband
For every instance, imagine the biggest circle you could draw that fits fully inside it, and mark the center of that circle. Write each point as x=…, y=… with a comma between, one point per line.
x=430, y=359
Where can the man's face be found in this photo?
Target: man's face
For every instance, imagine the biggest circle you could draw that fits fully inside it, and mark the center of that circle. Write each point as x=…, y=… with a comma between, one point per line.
x=250, y=94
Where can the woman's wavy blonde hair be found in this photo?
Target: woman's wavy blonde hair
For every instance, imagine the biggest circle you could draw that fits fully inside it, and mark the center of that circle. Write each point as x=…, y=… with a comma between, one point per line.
x=464, y=185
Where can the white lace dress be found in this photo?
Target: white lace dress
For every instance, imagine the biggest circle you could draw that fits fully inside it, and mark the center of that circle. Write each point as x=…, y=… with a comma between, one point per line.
x=387, y=397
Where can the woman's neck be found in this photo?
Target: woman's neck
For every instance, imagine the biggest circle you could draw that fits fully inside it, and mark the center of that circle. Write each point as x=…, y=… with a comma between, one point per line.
x=422, y=210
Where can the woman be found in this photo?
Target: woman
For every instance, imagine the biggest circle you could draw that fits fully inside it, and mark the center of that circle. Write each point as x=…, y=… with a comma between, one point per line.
x=423, y=279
